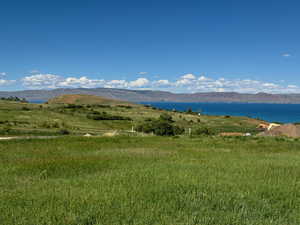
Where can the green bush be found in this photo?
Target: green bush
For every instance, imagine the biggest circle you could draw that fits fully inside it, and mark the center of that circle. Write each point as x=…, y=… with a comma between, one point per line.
x=49, y=124
x=14, y=99
x=73, y=106
x=166, y=117
x=64, y=132
x=95, y=115
x=163, y=126
x=24, y=108
x=202, y=131
x=191, y=112
x=125, y=106
x=7, y=129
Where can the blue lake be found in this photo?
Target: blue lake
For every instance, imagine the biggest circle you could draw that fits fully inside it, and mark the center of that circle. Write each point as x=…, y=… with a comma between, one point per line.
x=37, y=101
x=284, y=113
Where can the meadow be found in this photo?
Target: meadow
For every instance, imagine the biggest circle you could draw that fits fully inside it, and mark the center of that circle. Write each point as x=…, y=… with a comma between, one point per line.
x=150, y=180
x=23, y=119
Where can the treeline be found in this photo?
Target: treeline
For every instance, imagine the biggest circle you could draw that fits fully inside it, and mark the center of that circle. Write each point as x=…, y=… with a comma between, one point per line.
x=14, y=99
x=95, y=115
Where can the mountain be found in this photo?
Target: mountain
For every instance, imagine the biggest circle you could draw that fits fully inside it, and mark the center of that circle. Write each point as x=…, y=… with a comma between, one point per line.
x=157, y=96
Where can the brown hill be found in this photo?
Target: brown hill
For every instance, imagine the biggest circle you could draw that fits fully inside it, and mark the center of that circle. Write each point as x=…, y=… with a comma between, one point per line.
x=82, y=99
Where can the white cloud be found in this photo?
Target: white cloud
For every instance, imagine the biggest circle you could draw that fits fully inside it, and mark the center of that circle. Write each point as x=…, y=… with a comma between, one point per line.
x=203, y=78
x=83, y=82
x=286, y=55
x=140, y=82
x=51, y=81
x=206, y=84
x=162, y=83
x=41, y=81
x=142, y=73
x=116, y=84
x=182, y=82
x=188, y=76
x=6, y=82
x=270, y=85
x=2, y=74
x=186, y=83
x=186, y=79
x=34, y=71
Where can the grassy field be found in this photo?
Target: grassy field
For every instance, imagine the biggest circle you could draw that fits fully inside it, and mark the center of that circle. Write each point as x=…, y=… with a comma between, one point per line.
x=151, y=180
x=49, y=119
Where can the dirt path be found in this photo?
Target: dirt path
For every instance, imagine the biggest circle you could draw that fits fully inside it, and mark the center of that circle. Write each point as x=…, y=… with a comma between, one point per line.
x=27, y=137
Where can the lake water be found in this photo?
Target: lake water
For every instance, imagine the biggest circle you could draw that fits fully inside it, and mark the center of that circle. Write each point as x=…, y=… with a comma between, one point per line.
x=284, y=113
x=37, y=101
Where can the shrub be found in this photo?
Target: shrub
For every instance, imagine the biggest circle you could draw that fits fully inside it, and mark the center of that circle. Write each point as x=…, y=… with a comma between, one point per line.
x=189, y=110
x=45, y=124
x=95, y=115
x=149, y=119
x=73, y=106
x=102, y=106
x=7, y=129
x=166, y=117
x=202, y=131
x=178, y=130
x=163, y=126
x=24, y=108
x=15, y=99
x=55, y=125
x=49, y=124
x=125, y=106
x=64, y=132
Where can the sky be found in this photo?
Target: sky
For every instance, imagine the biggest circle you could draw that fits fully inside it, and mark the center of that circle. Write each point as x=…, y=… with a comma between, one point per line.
x=178, y=45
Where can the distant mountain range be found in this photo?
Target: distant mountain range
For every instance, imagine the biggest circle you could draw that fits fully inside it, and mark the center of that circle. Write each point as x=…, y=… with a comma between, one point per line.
x=157, y=96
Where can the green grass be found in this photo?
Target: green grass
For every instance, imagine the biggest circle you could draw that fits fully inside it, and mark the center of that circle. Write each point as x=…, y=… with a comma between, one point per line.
x=150, y=180
x=47, y=119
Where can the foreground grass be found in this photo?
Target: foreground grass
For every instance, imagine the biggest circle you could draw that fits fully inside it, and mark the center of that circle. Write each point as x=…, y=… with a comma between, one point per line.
x=151, y=180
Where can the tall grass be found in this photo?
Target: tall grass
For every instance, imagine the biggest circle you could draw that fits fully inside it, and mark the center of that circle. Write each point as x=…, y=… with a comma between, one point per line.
x=151, y=180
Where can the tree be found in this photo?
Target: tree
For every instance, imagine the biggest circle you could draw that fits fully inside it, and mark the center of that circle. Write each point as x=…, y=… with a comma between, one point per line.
x=163, y=126
x=189, y=110
x=166, y=117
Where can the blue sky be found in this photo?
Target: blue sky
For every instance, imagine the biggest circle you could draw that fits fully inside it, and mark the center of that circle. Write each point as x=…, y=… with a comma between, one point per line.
x=181, y=46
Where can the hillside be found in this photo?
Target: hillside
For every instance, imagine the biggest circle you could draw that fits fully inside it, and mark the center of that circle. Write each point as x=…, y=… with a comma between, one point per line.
x=144, y=179
x=157, y=96
x=83, y=99
x=99, y=115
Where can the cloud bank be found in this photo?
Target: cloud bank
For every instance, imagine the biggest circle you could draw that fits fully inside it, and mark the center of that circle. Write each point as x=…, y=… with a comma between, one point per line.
x=186, y=83
x=6, y=82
